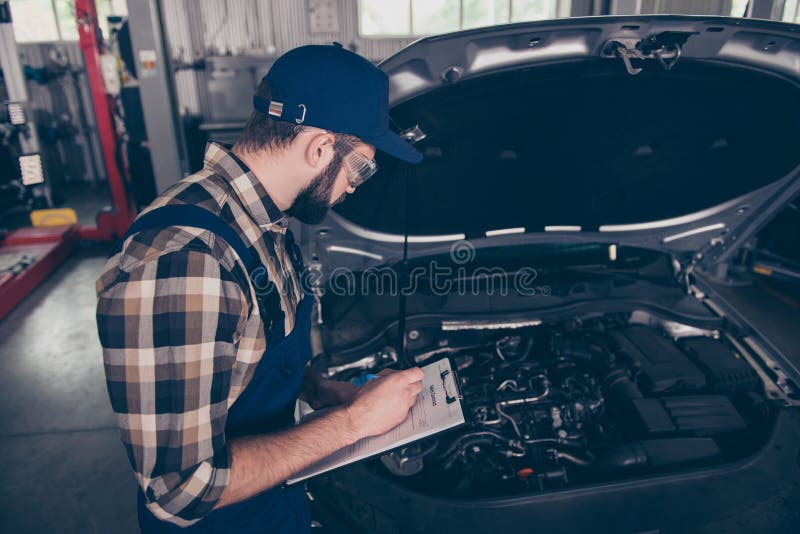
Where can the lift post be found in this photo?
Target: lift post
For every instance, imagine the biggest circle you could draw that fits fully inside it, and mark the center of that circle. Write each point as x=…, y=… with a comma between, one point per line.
x=114, y=223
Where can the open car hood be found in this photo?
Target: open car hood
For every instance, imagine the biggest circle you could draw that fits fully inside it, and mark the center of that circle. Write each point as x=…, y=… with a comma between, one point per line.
x=673, y=133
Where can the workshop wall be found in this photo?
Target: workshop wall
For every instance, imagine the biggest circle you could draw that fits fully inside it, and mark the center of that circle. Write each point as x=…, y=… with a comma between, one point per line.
x=687, y=7
x=61, y=107
x=250, y=27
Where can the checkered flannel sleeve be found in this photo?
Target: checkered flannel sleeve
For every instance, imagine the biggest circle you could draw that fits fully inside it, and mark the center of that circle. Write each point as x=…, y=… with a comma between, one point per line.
x=168, y=327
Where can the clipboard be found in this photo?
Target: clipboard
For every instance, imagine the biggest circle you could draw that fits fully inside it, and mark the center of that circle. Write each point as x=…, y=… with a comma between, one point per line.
x=438, y=408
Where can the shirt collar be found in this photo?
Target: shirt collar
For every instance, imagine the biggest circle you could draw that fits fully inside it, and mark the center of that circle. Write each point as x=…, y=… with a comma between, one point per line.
x=248, y=188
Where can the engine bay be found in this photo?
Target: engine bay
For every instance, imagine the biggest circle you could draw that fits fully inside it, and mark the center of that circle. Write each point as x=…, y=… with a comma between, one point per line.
x=588, y=400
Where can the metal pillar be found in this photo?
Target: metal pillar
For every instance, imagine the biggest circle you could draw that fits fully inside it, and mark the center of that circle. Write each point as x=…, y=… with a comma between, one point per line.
x=164, y=133
x=9, y=57
x=766, y=9
x=625, y=7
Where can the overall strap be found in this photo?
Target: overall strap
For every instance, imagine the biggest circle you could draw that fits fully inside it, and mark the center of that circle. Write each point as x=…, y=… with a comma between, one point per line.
x=196, y=217
x=193, y=217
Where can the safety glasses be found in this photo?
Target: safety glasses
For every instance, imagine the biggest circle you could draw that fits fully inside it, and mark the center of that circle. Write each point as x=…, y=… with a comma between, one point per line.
x=359, y=167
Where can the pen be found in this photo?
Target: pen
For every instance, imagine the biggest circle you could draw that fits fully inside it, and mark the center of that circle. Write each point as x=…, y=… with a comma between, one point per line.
x=360, y=380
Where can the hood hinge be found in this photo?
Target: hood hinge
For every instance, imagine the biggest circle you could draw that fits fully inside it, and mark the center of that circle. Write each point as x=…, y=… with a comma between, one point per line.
x=664, y=47
x=684, y=272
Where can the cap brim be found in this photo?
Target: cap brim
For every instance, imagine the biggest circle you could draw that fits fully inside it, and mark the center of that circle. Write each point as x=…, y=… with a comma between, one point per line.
x=396, y=146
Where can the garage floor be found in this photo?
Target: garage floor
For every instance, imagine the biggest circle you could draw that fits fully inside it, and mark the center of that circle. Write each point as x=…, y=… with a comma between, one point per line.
x=63, y=467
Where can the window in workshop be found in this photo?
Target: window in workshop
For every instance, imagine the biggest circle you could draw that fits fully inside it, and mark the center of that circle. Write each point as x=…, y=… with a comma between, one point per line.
x=34, y=21
x=533, y=10
x=406, y=18
x=106, y=8
x=739, y=8
x=38, y=21
x=67, y=23
x=385, y=17
x=791, y=11
x=484, y=13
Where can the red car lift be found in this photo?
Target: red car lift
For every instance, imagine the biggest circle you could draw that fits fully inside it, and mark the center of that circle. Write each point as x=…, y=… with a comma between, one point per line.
x=116, y=222
x=38, y=252
x=34, y=253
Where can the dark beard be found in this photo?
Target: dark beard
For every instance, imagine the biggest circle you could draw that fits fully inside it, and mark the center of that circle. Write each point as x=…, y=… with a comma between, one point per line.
x=312, y=204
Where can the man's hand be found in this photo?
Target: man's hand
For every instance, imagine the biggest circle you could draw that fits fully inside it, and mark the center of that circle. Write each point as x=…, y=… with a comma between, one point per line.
x=263, y=461
x=383, y=403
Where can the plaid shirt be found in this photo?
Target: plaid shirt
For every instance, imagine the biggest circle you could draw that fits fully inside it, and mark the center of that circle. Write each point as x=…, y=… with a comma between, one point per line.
x=181, y=334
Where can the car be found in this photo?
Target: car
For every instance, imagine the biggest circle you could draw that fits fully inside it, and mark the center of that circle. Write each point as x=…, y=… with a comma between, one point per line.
x=586, y=183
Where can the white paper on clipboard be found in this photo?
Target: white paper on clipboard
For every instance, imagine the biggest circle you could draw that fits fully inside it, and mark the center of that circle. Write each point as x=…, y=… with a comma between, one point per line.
x=438, y=408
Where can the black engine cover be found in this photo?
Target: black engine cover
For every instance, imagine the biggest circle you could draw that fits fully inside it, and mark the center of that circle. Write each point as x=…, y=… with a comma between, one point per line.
x=726, y=371
x=693, y=415
x=664, y=368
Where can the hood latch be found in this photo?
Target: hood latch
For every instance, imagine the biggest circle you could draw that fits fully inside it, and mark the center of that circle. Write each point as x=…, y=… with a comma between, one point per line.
x=664, y=47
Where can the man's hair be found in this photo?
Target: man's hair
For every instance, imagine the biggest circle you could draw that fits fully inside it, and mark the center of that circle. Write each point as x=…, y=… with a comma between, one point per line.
x=264, y=133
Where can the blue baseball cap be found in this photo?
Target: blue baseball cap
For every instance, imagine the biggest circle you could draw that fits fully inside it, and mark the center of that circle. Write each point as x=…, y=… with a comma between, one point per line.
x=329, y=87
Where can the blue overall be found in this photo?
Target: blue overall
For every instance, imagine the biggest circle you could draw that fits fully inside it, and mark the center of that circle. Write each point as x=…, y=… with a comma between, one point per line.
x=265, y=405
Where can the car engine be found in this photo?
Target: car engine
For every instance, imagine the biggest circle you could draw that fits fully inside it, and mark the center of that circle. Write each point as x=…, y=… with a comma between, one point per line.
x=575, y=402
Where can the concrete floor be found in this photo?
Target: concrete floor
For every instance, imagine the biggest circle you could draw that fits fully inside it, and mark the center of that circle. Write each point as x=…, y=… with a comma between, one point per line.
x=64, y=469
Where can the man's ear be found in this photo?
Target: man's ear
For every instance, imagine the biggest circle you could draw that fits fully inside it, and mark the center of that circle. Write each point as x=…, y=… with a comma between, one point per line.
x=320, y=150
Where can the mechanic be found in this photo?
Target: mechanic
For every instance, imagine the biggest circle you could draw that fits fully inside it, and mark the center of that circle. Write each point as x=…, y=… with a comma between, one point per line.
x=204, y=323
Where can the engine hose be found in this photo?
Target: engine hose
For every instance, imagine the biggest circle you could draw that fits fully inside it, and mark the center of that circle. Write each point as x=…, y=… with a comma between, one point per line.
x=576, y=443
x=510, y=384
x=561, y=455
x=472, y=435
x=525, y=352
x=526, y=400
x=427, y=450
x=512, y=450
x=504, y=415
x=449, y=460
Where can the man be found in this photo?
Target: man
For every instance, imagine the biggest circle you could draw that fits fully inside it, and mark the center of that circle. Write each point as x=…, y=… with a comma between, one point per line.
x=204, y=355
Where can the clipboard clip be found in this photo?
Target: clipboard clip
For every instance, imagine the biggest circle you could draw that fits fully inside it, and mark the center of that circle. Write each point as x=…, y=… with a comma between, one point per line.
x=448, y=397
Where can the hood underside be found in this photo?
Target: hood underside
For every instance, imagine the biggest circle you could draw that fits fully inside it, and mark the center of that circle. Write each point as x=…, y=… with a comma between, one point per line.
x=584, y=145
x=536, y=132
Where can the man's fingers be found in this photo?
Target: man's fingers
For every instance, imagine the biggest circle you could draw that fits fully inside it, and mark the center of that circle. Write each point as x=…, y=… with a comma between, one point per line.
x=412, y=392
x=414, y=374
